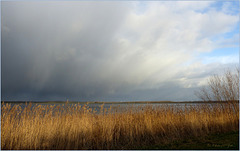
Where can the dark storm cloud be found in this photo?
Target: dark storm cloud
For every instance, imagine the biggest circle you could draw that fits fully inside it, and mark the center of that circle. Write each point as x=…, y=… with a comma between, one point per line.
x=103, y=50
x=52, y=48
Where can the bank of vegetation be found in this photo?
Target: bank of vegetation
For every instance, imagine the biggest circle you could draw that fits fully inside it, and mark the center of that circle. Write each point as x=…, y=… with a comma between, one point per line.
x=80, y=127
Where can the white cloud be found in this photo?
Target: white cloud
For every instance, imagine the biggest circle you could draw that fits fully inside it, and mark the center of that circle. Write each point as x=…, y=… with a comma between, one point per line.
x=193, y=5
x=162, y=38
x=197, y=74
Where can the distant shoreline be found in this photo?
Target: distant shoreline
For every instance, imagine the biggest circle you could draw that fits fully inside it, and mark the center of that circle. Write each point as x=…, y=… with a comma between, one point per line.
x=99, y=102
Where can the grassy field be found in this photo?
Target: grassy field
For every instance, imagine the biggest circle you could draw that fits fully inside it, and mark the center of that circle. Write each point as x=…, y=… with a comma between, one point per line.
x=143, y=127
x=216, y=141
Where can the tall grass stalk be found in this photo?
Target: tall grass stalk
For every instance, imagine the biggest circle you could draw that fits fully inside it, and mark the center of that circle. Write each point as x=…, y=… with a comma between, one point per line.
x=80, y=127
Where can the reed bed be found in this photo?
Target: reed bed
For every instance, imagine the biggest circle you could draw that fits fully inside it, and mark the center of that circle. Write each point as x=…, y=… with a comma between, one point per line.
x=80, y=127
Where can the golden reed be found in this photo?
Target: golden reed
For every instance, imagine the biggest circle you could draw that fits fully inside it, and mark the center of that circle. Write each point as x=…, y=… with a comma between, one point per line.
x=80, y=127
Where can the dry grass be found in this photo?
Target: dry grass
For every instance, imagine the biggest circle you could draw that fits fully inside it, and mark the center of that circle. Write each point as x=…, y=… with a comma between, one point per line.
x=79, y=127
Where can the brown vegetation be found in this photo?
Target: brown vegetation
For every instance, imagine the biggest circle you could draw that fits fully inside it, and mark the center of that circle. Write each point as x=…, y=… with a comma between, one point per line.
x=221, y=87
x=80, y=127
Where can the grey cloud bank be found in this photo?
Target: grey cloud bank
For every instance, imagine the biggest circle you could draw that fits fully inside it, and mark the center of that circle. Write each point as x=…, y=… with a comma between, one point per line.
x=104, y=51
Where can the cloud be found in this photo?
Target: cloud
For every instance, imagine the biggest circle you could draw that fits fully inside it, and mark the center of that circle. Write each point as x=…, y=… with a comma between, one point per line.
x=233, y=41
x=101, y=50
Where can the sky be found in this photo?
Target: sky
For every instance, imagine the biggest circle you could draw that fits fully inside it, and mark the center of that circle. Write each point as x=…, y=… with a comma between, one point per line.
x=115, y=50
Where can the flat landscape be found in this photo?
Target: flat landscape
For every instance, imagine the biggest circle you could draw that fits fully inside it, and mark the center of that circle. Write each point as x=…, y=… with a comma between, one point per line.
x=77, y=126
x=120, y=75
